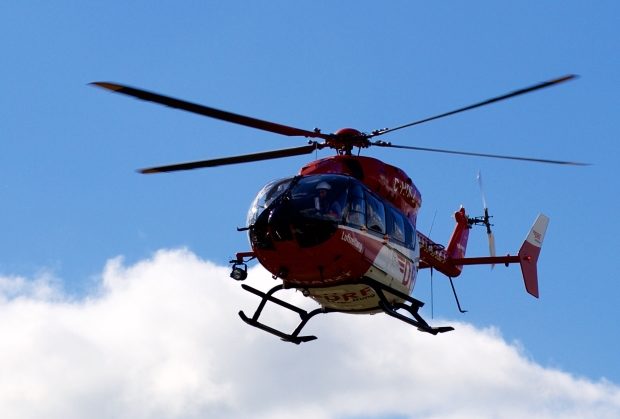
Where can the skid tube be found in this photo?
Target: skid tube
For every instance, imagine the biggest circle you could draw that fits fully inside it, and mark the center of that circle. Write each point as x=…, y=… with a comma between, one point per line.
x=385, y=305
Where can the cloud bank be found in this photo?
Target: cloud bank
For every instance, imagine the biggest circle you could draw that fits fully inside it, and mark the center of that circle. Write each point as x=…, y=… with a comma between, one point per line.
x=162, y=339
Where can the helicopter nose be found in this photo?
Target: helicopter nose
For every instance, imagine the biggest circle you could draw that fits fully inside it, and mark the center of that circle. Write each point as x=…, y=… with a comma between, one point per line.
x=307, y=230
x=284, y=223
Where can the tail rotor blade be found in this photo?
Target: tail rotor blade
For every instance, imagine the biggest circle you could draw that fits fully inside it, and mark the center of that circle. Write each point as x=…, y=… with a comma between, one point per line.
x=484, y=200
x=486, y=219
x=491, y=246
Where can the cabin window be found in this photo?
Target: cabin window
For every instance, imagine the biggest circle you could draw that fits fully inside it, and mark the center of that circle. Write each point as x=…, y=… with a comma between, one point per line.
x=375, y=214
x=410, y=236
x=356, y=215
x=396, y=229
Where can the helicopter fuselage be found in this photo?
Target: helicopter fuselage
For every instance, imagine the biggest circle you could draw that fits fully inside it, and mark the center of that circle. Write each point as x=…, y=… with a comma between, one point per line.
x=341, y=220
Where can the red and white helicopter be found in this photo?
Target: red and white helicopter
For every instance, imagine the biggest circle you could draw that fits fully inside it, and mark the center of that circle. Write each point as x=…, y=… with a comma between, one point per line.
x=343, y=231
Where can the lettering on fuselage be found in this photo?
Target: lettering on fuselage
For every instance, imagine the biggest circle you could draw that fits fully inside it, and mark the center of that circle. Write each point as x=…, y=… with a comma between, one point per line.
x=432, y=249
x=404, y=189
x=406, y=268
x=352, y=240
x=347, y=297
x=461, y=249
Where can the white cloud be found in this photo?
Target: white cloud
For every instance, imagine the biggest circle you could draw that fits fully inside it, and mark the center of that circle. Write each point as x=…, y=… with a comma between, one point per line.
x=162, y=339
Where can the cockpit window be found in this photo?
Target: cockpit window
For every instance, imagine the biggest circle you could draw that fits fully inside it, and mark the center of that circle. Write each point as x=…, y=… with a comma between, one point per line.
x=265, y=197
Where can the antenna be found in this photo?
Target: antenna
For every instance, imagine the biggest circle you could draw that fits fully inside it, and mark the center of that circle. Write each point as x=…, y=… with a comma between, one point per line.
x=430, y=230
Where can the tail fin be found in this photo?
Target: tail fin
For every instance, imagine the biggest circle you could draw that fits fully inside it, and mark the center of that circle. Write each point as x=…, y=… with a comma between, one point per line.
x=529, y=252
x=458, y=241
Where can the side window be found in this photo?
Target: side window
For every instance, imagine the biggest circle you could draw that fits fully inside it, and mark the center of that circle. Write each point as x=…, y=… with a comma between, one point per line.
x=410, y=236
x=397, y=226
x=375, y=214
x=357, y=207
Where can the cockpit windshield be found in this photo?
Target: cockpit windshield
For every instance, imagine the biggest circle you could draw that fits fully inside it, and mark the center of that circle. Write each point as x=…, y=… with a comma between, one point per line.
x=310, y=209
x=265, y=197
x=321, y=196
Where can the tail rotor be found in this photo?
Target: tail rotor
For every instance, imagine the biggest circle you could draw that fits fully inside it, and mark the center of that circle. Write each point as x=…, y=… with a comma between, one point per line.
x=485, y=219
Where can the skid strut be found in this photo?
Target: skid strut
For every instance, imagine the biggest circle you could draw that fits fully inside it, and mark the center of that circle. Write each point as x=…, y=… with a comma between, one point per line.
x=409, y=304
x=303, y=314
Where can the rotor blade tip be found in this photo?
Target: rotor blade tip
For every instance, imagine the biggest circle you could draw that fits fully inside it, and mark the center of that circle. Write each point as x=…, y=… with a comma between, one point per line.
x=566, y=78
x=575, y=163
x=106, y=85
x=147, y=171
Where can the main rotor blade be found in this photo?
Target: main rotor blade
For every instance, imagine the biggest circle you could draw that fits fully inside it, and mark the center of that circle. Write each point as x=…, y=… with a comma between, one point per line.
x=467, y=153
x=479, y=104
x=210, y=112
x=245, y=158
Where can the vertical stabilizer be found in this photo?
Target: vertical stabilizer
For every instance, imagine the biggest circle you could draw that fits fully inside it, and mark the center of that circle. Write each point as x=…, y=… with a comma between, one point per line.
x=529, y=252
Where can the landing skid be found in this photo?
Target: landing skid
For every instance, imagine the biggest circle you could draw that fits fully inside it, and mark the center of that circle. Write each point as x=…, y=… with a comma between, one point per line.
x=410, y=305
x=391, y=309
x=305, y=315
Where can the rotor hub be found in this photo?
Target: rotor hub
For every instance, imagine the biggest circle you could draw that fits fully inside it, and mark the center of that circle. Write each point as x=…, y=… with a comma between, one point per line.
x=345, y=139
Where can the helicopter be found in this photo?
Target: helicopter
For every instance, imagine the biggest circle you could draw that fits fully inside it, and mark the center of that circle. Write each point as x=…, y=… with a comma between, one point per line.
x=343, y=230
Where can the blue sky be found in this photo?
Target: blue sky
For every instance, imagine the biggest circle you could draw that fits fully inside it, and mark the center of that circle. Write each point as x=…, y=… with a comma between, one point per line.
x=71, y=199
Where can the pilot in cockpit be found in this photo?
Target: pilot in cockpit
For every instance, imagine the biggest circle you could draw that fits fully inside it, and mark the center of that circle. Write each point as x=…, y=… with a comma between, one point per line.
x=324, y=204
